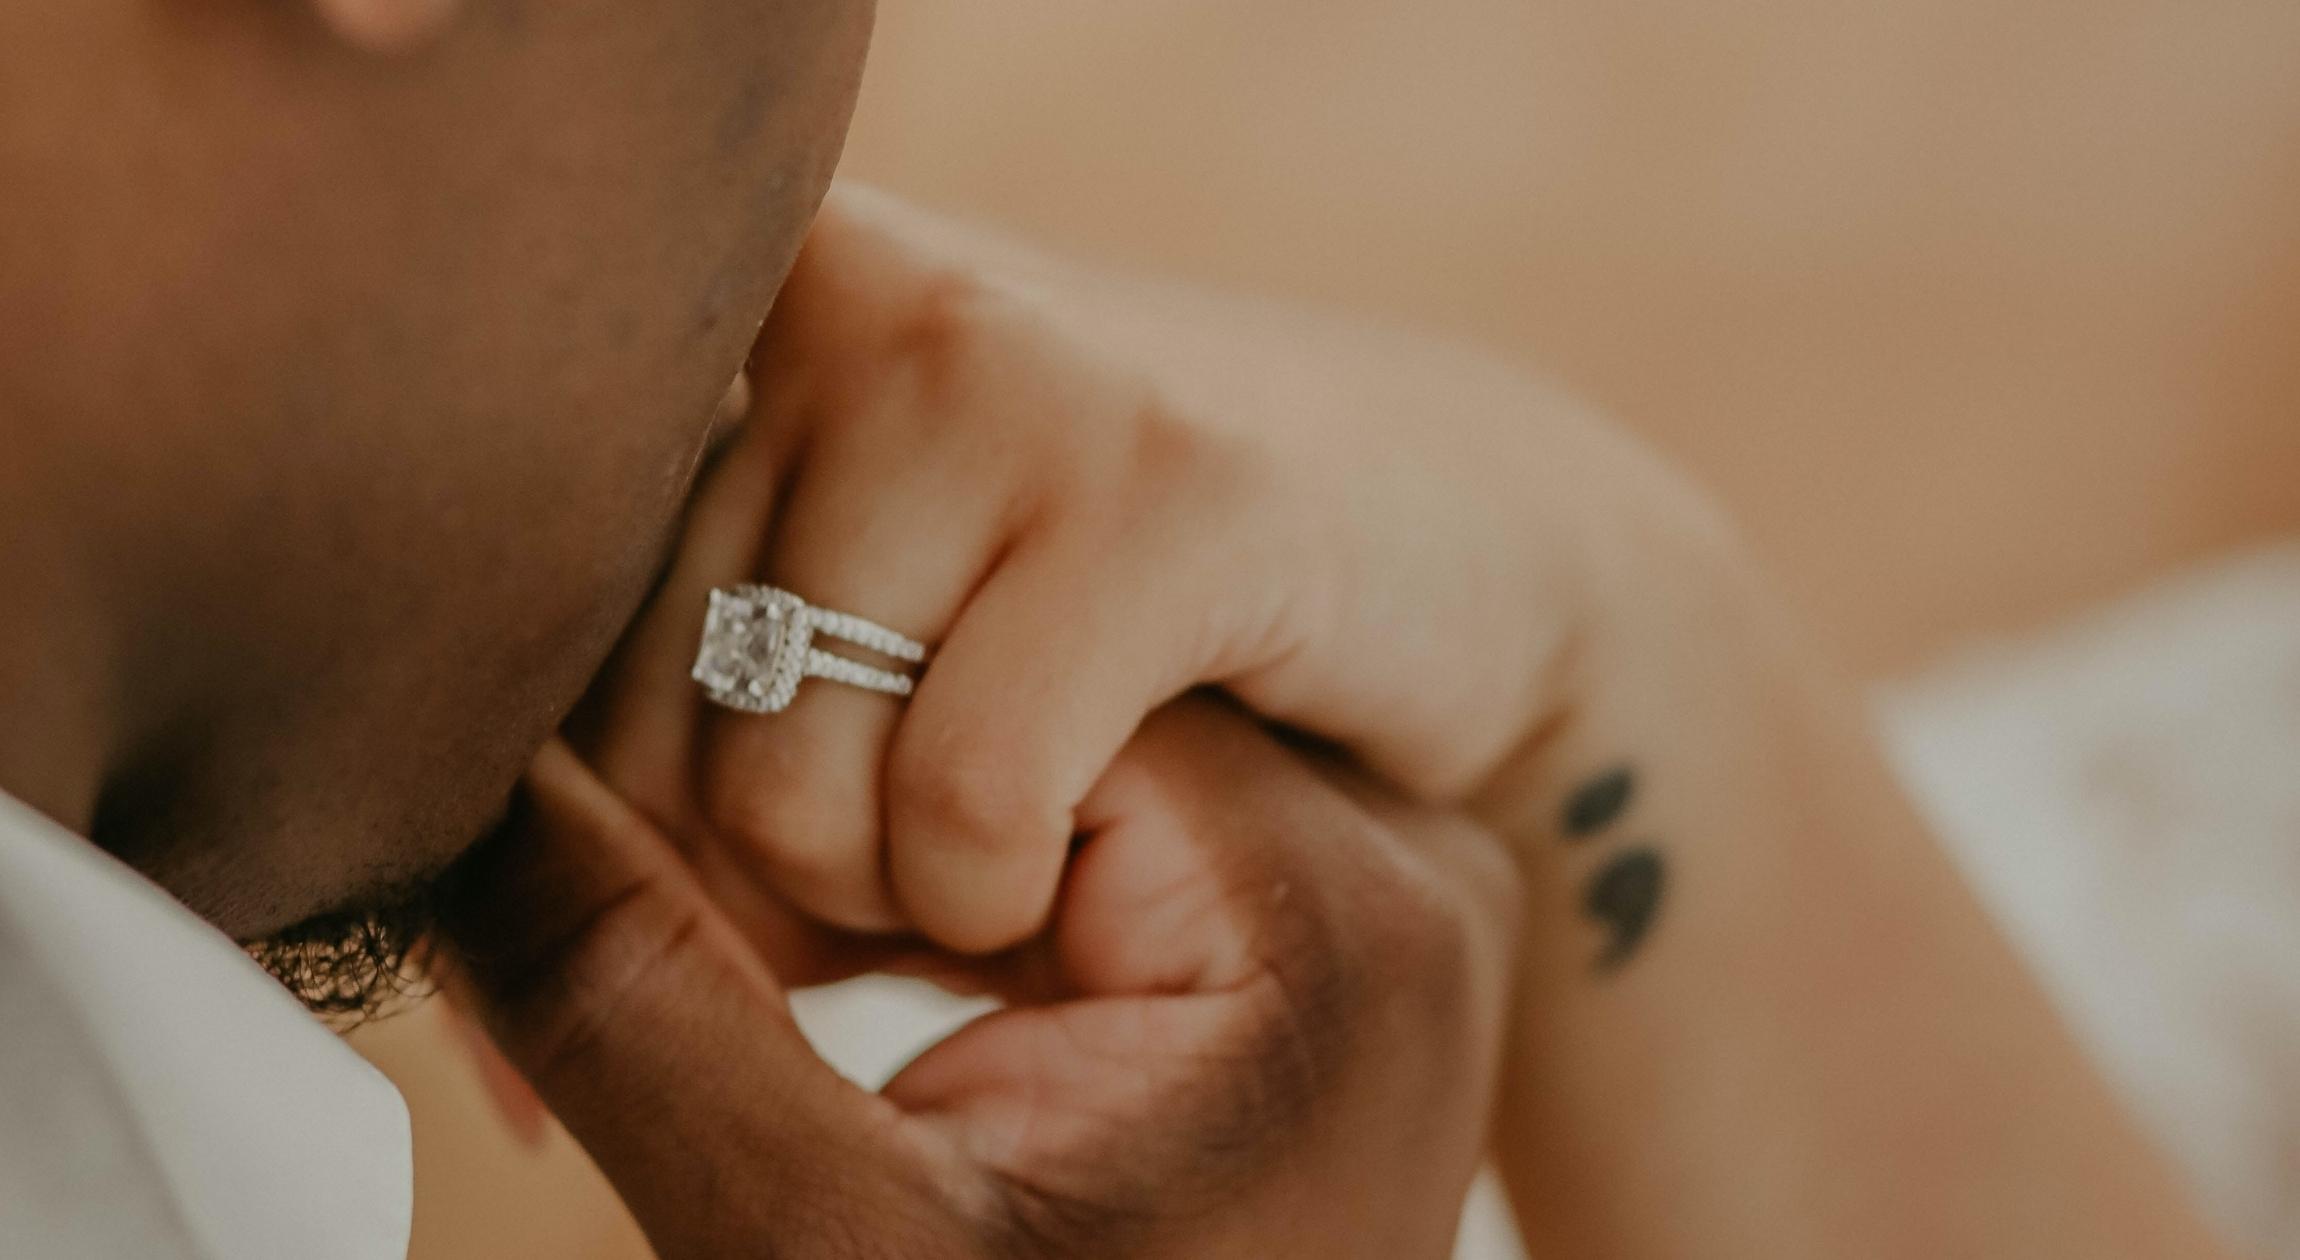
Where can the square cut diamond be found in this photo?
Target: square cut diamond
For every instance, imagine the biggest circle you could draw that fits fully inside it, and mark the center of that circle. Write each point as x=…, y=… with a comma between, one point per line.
x=745, y=659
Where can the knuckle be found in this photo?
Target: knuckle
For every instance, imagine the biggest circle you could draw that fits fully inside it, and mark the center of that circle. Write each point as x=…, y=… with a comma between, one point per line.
x=943, y=331
x=1185, y=474
x=968, y=803
x=742, y=810
x=808, y=831
x=1171, y=447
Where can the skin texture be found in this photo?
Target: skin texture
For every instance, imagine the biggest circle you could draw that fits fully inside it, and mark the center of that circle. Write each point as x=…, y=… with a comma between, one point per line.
x=1091, y=502
x=351, y=398
x=1751, y=988
x=1263, y=1024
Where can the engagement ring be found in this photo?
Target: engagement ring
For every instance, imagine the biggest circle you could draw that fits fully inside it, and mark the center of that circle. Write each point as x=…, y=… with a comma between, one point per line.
x=758, y=644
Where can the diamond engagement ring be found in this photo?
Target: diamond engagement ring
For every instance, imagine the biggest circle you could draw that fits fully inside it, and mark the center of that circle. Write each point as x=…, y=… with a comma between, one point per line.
x=758, y=644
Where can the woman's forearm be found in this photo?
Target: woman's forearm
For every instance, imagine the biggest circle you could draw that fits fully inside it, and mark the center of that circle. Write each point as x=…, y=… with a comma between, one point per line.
x=1759, y=1014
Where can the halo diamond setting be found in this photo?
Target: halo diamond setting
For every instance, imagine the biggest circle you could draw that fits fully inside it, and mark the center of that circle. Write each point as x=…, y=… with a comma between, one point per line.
x=758, y=645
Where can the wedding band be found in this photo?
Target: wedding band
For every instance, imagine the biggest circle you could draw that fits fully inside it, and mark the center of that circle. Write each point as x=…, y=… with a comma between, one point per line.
x=759, y=644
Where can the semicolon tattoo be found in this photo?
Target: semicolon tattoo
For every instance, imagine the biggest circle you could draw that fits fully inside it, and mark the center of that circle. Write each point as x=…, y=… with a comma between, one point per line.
x=1623, y=896
x=1625, y=892
x=1597, y=804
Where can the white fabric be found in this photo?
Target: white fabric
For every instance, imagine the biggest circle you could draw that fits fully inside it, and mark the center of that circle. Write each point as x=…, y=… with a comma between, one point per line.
x=163, y=1099
x=2125, y=794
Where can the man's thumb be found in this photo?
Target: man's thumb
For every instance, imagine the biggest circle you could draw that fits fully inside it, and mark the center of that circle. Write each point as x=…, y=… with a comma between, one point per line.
x=651, y=1029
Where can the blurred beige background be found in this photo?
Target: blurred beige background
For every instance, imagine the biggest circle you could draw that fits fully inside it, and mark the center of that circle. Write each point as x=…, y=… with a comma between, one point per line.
x=1974, y=309
x=1975, y=313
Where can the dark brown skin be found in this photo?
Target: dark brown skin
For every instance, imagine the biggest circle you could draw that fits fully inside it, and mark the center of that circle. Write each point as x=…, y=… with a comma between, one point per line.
x=350, y=392
x=1265, y=1022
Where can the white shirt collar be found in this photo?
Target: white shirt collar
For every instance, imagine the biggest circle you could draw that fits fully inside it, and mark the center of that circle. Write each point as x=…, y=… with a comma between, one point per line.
x=160, y=1096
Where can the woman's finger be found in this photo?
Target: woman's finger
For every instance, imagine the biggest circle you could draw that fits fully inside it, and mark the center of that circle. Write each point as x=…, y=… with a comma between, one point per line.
x=1104, y=610
x=1047, y=673
x=896, y=532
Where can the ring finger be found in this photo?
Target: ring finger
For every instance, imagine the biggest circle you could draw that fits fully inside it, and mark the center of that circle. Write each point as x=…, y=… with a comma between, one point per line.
x=900, y=533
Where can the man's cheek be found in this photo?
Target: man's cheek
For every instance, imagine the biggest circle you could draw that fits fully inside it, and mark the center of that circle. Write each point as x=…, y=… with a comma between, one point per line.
x=624, y=535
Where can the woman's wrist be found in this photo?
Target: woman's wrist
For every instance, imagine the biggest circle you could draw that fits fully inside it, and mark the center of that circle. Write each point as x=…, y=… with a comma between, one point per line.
x=1758, y=1012
x=1675, y=647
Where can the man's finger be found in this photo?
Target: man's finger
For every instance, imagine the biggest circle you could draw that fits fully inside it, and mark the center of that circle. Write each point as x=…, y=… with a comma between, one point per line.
x=656, y=1036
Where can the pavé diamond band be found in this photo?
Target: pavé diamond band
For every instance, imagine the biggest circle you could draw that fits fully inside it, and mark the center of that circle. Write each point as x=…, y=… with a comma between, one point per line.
x=759, y=644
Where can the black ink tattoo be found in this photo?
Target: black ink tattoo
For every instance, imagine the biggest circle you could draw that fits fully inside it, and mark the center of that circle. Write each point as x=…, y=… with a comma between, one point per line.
x=1599, y=803
x=1623, y=896
x=1625, y=893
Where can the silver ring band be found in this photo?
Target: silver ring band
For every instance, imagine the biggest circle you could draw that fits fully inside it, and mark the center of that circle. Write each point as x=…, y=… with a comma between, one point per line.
x=759, y=644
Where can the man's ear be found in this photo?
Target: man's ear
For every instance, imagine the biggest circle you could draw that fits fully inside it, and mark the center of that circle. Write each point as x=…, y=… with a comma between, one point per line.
x=387, y=25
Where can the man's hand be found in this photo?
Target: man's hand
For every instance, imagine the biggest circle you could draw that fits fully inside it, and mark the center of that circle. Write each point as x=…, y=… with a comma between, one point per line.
x=1263, y=1022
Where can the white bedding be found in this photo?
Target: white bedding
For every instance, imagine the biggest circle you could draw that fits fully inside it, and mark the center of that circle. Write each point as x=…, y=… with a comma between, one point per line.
x=2125, y=794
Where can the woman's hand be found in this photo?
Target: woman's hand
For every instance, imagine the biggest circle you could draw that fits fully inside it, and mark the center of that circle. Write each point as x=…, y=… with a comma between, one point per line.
x=1095, y=496
x=1757, y=1013
x=1265, y=1023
